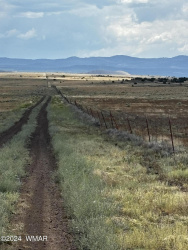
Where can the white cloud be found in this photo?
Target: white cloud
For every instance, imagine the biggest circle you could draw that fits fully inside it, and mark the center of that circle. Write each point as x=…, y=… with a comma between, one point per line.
x=5, y=8
x=184, y=49
x=128, y=29
x=132, y=1
x=56, y=13
x=28, y=35
x=185, y=8
x=184, y=13
x=31, y=14
x=146, y=39
x=101, y=27
x=86, y=11
x=9, y=33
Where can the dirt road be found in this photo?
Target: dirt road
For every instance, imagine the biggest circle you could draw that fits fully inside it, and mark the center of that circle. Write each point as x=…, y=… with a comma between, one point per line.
x=40, y=209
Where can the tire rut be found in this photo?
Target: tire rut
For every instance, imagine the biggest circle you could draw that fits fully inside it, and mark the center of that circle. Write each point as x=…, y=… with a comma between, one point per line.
x=14, y=129
x=40, y=209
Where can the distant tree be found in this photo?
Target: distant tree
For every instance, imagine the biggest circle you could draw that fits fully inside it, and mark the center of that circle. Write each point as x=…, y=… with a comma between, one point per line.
x=164, y=81
x=152, y=79
x=182, y=79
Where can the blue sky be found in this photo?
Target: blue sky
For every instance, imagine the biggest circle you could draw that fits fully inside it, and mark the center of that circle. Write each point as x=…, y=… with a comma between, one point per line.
x=64, y=28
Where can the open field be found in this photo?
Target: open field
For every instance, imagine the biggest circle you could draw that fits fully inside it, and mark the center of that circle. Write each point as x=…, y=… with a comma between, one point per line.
x=134, y=99
x=84, y=187
x=18, y=90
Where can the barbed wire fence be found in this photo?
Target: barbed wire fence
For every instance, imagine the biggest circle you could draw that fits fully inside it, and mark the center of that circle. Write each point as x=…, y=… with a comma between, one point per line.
x=164, y=129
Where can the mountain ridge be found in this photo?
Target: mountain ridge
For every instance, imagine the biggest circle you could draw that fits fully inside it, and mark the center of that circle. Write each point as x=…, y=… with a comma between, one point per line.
x=164, y=66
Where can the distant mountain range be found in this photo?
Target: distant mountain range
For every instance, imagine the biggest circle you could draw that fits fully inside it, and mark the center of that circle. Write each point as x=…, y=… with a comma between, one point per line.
x=175, y=66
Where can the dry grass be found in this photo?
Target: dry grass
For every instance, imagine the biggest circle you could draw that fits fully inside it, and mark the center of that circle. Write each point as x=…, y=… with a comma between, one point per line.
x=14, y=159
x=120, y=195
x=18, y=92
x=149, y=213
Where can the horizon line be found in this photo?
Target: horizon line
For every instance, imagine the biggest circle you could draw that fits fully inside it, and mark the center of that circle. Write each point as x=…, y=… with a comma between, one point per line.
x=21, y=58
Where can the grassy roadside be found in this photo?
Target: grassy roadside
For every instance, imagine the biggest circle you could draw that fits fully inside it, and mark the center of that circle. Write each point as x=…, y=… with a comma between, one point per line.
x=81, y=189
x=7, y=119
x=112, y=198
x=14, y=156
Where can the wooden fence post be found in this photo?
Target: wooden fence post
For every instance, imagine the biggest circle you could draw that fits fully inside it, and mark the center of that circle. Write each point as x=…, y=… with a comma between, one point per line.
x=129, y=125
x=99, y=119
x=147, y=125
x=104, y=120
x=111, y=119
x=171, y=134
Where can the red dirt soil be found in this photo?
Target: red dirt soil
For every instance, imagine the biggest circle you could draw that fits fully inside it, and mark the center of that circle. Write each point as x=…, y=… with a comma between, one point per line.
x=40, y=207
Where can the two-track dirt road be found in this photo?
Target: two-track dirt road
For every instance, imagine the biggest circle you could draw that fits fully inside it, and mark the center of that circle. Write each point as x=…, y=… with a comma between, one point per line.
x=40, y=208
